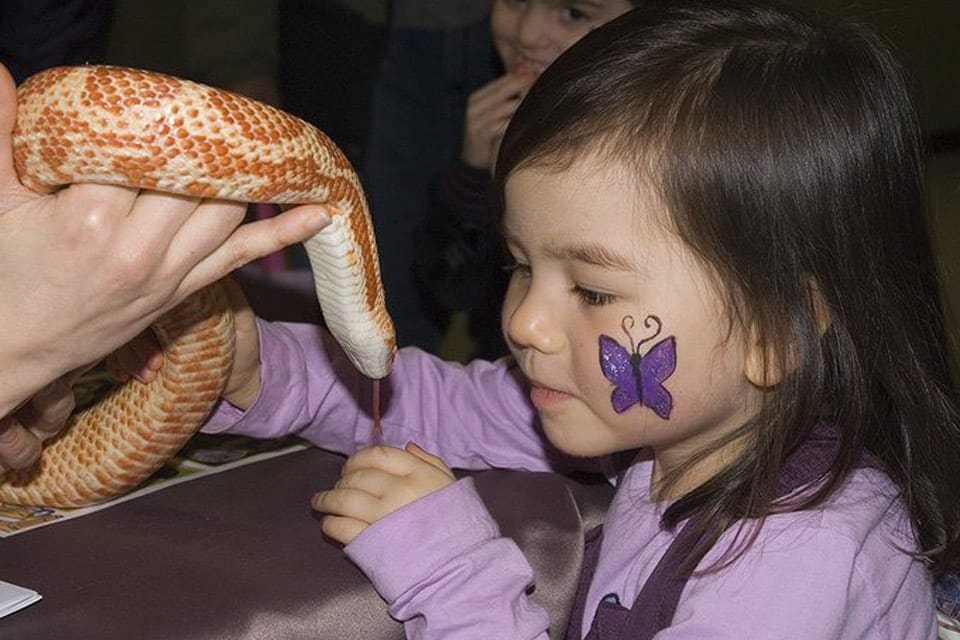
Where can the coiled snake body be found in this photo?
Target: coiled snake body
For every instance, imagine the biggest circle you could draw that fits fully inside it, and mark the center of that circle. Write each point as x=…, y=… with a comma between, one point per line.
x=128, y=127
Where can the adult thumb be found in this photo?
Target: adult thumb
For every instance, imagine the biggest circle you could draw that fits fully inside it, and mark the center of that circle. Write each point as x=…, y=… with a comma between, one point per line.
x=8, y=118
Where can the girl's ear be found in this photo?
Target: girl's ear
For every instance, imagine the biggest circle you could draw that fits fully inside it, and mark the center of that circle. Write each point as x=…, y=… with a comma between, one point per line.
x=822, y=317
x=768, y=362
x=764, y=366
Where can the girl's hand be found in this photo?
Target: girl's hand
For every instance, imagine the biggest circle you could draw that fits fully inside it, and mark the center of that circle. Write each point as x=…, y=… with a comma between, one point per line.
x=489, y=110
x=375, y=482
x=243, y=387
x=142, y=357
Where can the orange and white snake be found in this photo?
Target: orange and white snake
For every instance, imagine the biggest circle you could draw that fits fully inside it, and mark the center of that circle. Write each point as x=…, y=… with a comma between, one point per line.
x=151, y=131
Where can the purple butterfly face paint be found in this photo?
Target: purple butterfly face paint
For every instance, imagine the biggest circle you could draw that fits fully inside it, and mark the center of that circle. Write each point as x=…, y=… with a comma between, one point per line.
x=639, y=379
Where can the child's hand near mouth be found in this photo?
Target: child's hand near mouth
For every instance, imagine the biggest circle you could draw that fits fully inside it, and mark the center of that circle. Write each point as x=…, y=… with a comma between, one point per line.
x=489, y=110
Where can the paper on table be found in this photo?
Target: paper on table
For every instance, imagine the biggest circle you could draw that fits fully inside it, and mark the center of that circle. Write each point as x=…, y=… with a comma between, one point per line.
x=14, y=598
x=203, y=455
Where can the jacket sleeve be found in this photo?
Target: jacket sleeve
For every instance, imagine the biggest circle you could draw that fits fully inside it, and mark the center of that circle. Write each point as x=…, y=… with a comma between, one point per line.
x=450, y=577
x=474, y=417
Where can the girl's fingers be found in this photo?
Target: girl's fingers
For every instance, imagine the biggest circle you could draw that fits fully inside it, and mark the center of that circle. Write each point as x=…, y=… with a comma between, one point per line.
x=495, y=118
x=351, y=503
x=140, y=358
x=485, y=111
x=373, y=481
x=341, y=529
x=236, y=298
x=499, y=89
x=149, y=357
x=415, y=449
x=376, y=482
x=119, y=364
x=391, y=460
x=492, y=107
x=243, y=386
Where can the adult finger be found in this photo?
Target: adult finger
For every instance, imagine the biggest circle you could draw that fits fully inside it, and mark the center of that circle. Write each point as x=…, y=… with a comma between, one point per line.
x=12, y=192
x=8, y=118
x=255, y=240
x=18, y=447
x=204, y=231
x=156, y=220
x=47, y=412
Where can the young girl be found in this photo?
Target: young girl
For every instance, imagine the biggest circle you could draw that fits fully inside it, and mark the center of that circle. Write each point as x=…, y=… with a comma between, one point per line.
x=714, y=208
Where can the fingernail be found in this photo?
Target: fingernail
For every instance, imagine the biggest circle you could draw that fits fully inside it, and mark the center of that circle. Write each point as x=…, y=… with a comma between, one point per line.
x=318, y=220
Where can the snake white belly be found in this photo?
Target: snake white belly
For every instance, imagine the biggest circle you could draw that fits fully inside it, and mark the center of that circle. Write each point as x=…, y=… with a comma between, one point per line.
x=127, y=127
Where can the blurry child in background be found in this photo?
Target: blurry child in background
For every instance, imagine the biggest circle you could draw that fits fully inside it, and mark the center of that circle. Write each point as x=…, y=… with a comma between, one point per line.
x=436, y=54
x=458, y=258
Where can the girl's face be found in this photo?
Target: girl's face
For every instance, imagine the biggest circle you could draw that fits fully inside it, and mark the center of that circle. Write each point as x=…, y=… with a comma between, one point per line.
x=530, y=34
x=594, y=258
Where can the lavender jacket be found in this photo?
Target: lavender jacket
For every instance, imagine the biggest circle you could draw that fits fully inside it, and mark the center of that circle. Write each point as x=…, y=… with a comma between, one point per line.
x=835, y=572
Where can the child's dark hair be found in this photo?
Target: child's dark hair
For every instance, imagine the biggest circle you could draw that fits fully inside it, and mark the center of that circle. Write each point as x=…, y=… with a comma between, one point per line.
x=788, y=155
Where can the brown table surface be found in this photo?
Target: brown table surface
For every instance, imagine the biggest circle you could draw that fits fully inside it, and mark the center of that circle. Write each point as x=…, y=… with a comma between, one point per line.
x=240, y=554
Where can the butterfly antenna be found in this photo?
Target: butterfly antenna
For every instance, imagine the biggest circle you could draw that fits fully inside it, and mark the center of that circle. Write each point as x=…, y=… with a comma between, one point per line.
x=648, y=322
x=626, y=324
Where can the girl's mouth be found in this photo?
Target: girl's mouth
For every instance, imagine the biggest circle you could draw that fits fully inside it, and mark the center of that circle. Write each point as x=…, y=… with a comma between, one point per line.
x=523, y=66
x=546, y=397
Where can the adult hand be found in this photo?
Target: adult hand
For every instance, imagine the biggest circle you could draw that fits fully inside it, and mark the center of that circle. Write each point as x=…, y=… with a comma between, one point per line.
x=23, y=432
x=89, y=267
x=489, y=110
x=375, y=482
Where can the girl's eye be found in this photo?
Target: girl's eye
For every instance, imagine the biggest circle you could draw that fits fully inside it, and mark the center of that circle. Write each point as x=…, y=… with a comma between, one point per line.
x=518, y=268
x=593, y=298
x=573, y=14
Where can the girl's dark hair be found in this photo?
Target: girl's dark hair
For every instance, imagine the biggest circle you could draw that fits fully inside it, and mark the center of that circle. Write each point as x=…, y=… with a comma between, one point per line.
x=788, y=155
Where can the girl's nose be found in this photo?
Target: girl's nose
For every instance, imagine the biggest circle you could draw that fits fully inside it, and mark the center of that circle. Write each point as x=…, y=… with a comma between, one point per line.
x=532, y=27
x=530, y=321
